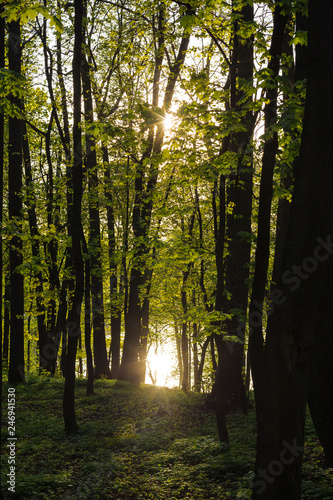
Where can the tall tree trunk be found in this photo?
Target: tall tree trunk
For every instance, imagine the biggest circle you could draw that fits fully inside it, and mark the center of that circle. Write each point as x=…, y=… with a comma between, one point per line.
x=299, y=296
x=320, y=389
x=61, y=325
x=184, y=339
x=185, y=347
x=87, y=330
x=265, y=201
x=295, y=73
x=16, y=361
x=143, y=205
x=73, y=325
x=179, y=352
x=6, y=318
x=95, y=250
x=115, y=308
x=239, y=195
x=2, y=137
x=184, y=354
x=220, y=388
x=144, y=338
x=44, y=355
x=68, y=282
x=196, y=380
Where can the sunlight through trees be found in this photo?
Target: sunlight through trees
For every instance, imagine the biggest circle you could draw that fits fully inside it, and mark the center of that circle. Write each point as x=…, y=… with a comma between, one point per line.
x=166, y=180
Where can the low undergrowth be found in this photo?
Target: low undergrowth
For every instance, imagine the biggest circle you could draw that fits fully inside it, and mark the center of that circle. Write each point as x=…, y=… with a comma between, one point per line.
x=135, y=443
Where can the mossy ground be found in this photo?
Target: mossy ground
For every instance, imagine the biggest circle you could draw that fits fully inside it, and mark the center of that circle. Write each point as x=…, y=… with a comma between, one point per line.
x=136, y=443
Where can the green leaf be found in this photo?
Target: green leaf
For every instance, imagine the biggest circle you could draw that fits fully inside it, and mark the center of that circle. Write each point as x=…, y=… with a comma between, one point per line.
x=17, y=10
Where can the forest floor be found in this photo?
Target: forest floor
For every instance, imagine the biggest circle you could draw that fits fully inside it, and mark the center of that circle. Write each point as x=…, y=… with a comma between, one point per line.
x=135, y=443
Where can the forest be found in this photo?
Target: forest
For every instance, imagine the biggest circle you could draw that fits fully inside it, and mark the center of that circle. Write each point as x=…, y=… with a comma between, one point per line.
x=166, y=172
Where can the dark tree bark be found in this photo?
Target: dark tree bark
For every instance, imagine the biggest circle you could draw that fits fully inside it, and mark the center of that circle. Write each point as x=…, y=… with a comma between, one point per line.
x=219, y=391
x=6, y=319
x=65, y=137
x=265, y=201
x=239, y=195
x=320, y=389
x=199, y=365
x=56, y=320
x=51, y=247
x=95, y=250
x=222, y=388
x=184, y=339
x=60, y=329
x=35, y=250
x=186, y=377
x=68, y=282
x=16, y=361
x=185, y=349
x=198, y=379
x=115, y=309
x=76, y=231
x=143, y=205
x=301, y=50
x=2, y=136
x=299, y=296
x=179, y=352
x=130, y=368
x=295, y=73
x=143, y=349
x=87, y=330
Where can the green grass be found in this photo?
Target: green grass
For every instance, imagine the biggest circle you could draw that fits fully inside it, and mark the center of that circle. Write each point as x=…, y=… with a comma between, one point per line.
x=136, y=443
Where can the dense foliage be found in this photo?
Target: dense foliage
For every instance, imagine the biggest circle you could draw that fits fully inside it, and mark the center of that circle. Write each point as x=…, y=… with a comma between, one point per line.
x=165, y=179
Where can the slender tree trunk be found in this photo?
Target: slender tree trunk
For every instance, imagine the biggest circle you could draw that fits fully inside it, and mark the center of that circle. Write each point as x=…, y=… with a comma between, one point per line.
x=2, y=137
x=185, y=344
x=87, y=330
x=265, y=200
x=73, y=326
x=65, y=137
x=299, y=296
x=287, y=177
x=220, y=387
x=95, y=250
x=35, y=250
x=51, y=247
x=239, y=195
x=201, y=364
x=16, y=361
x=143, y=205
x=144, y=338
x=320, y=389
x=68, y=282
x=6, y=319
x=184, y=340
x=179, y=352
x=115, y=307
x=61, y=328
x=196, y=380
x=184, y=353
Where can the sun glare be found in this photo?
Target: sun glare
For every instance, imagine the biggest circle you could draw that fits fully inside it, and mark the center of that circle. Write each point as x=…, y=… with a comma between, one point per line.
x=169, y=122
x=160, y=366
